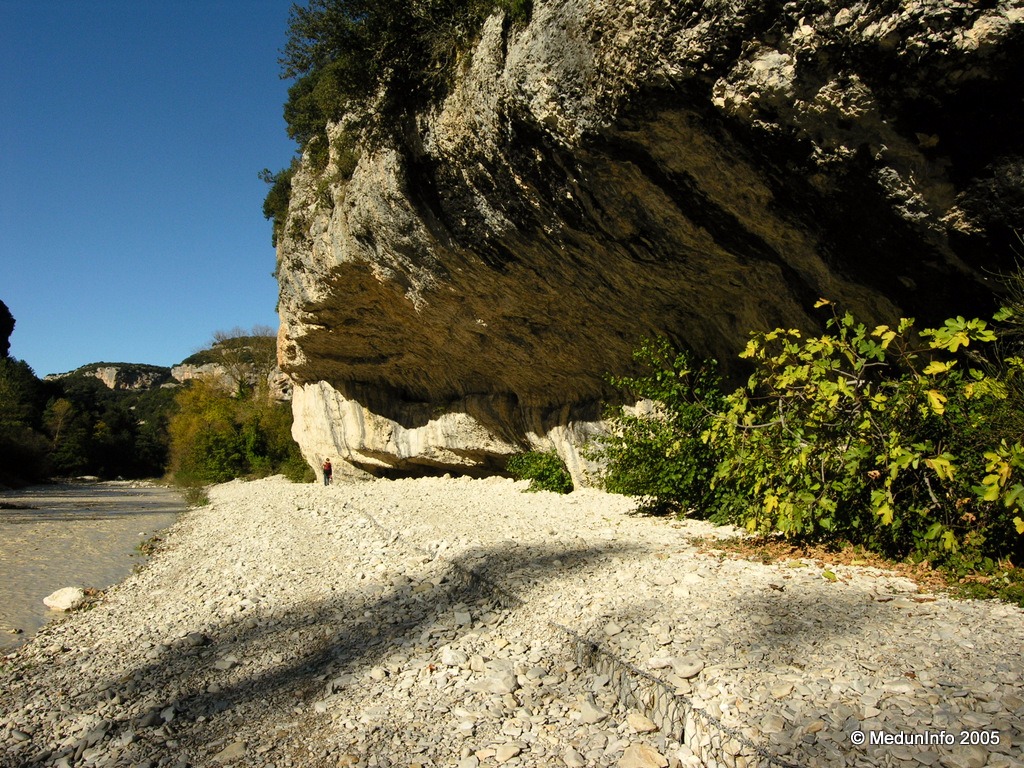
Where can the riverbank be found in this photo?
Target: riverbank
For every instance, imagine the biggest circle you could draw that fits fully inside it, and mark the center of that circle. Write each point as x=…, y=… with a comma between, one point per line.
x=450, y=622
x=71, y=534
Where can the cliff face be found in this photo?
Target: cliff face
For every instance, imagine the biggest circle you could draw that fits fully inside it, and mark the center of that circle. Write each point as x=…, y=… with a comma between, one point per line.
x=123, y=376
x=227, y=378
x=615, y=170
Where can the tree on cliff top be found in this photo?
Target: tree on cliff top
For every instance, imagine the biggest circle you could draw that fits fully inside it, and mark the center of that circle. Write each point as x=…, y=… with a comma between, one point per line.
x=246, y=357
x=372, y=61
x=6, y=329
x=343, y=53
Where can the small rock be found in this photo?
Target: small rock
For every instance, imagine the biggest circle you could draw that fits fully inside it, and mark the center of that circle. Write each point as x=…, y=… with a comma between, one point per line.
x=196, y=639
x=773, y=723
x=506, y=752
x=1012, y=703
x=501, y=683
x=688, y=667
x=843, y=17
x=591, y=714
x=151, y=718
x=642, y=756
x=973, y=755
x=453, y=658
x=611, y=629
x=536, y=673
x=233, y=751
x=641, y=723
x=97, y=734
x=65, y=599
x=463, y=618
x=126, y=738
x=340, y=683
x=573, y=759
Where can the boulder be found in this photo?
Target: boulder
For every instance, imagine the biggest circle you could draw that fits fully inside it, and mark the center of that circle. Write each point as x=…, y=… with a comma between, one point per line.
x=66, y=599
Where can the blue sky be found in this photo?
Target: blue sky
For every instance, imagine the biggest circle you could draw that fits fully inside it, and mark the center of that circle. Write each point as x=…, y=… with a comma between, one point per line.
x=131, y=136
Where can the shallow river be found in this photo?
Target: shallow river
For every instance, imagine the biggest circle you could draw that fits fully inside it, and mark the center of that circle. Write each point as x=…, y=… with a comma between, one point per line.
x=71, y=535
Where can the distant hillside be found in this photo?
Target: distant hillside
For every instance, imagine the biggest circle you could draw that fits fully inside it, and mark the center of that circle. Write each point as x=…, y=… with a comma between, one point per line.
x=112, y=419
x=250, y=350
x=237, y=361
x=232, y=360
x=121, y=376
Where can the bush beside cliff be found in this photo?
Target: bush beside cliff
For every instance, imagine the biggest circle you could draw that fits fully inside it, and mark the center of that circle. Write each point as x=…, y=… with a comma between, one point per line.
x=217, y=435
x=905, y=442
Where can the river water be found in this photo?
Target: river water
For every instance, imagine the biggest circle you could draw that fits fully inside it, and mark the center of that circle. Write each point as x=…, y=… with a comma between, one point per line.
x=71, y=535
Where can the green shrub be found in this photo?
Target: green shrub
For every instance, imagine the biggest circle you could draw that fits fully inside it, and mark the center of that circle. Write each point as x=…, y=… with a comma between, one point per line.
x=659, y=456
x=990, y=581
x=196, y=495
x=901, y=441
x=882, y=437
x=24, y=450
x=217, y=435
x=545, y=471
x=275, y=204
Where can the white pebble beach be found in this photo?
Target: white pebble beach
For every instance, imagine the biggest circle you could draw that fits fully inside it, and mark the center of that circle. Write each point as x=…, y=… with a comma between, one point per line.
x=301, y=625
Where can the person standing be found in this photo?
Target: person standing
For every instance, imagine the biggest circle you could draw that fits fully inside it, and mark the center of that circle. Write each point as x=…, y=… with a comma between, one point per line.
x=328, y=471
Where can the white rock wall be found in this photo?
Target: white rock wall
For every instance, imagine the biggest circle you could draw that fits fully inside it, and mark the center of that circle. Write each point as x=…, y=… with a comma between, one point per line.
x=329, y=425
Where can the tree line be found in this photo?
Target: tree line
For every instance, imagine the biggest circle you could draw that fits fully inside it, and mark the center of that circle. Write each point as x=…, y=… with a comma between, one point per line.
x=207, y=430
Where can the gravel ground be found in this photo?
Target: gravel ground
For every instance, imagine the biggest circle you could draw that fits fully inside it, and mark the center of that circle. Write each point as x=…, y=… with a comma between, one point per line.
x=457, y=622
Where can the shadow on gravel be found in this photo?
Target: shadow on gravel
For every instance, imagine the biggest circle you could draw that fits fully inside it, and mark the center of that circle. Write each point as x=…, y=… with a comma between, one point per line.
x=319, y=643
x=783, y=626
x=787, y=623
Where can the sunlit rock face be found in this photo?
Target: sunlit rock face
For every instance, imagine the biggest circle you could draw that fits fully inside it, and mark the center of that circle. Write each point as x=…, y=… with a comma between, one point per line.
x=122, y=376
x=279, y=385
x=615, y=170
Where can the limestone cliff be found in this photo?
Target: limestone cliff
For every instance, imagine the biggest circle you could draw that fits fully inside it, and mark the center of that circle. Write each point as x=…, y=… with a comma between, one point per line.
x=226, y=377
x=122, y=376
x=617, y=169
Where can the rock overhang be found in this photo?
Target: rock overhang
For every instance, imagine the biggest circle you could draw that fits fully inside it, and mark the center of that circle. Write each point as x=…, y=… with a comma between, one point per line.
x=553, y=211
